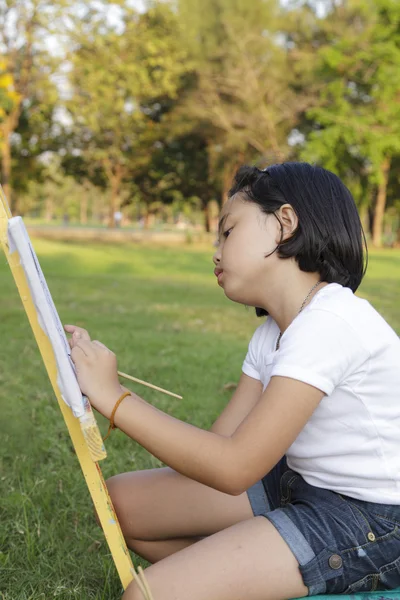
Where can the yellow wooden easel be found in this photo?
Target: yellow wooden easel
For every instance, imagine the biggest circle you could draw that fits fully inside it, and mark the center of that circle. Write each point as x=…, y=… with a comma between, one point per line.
x=91, y=470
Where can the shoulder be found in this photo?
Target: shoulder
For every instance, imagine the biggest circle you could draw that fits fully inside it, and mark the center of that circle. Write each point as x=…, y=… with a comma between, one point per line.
x=322, y=346
x=338, y=309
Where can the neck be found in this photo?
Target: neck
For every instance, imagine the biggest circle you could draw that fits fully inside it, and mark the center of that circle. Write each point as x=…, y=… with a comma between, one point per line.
x=286, y=302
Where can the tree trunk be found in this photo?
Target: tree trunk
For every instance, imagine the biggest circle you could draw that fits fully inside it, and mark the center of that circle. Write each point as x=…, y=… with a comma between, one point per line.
x=226, y=184
x=114, y=173
x=114, y=205
x=207, y=216
x=149, y=218
x=364, y=218
x=6, y=169
x=380, y=204
x=8, y=127
x=146, y=218
x=83, y=217
x=49, y=209
x=228, y=175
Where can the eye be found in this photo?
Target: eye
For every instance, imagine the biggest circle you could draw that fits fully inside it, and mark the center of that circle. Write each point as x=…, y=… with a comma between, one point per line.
x=226, y=233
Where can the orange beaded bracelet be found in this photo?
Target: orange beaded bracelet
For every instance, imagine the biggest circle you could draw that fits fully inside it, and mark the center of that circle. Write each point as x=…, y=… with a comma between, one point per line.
x=112, y=426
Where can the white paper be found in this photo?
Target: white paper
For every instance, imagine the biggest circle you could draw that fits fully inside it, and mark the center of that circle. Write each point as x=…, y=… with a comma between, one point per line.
x=18, y=239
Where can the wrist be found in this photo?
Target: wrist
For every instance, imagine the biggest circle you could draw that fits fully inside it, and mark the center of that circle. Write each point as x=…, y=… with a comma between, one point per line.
x=112, y=424
x=109, y=400
x=123, y=410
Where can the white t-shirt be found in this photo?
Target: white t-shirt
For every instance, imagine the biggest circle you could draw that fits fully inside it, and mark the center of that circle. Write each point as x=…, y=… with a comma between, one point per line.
x=341, y=345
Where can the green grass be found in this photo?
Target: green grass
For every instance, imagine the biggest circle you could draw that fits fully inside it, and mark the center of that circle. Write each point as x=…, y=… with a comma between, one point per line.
x=161, y=311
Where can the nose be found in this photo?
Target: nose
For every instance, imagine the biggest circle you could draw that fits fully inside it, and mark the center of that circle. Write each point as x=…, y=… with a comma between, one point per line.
x=216, y=257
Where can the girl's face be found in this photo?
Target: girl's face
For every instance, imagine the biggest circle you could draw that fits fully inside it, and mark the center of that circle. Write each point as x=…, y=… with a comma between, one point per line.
x=245, y=236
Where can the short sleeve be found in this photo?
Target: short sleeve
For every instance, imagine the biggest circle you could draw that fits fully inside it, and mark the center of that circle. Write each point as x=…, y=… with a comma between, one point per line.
x=319, y=348
x=251, y=362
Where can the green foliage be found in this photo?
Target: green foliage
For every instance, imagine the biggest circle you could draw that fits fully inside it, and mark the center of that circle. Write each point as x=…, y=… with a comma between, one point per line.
x=359, y=84
x=177, y=173
x=61, y=196
x=118, y=112
x=27, y=122
x=165, y=104
x=241, y=95
x=8, y=95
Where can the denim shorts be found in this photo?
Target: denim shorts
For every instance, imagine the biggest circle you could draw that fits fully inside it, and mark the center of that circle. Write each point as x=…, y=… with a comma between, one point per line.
x=342, y=545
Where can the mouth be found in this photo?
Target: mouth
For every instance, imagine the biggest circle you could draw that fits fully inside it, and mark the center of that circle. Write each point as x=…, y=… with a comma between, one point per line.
x=218, y=273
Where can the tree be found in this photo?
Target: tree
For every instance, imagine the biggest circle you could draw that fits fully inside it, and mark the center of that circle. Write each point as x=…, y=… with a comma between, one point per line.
x=8, y=95
x=177, y=175
x=27, y=63
x=242, y=94
x=358, y=114
x=123, y=84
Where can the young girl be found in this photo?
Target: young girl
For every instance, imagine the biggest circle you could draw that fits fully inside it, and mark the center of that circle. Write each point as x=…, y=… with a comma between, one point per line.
x=295, y=490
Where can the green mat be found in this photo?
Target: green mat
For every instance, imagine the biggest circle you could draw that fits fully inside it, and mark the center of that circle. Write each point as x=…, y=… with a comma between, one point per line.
x=392, y=595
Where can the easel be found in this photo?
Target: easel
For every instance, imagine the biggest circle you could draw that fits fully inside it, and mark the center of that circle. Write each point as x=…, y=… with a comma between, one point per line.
x=91, y=470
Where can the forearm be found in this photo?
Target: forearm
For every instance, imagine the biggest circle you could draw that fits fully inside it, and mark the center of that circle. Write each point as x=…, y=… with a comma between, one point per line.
x=201, y=455
x=224, y=427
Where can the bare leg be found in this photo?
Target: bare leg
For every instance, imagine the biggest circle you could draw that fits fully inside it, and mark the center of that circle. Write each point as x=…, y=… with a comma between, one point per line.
x=247, y=561
x=155, y=551
x=162, y=512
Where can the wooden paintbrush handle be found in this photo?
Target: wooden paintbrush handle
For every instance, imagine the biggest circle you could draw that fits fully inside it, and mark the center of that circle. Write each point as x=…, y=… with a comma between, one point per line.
x=150, y=385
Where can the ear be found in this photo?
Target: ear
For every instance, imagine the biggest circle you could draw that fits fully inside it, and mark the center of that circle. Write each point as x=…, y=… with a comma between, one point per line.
x=288, y=219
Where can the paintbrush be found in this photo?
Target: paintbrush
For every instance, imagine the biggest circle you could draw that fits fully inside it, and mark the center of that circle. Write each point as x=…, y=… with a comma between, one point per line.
x=150, y=385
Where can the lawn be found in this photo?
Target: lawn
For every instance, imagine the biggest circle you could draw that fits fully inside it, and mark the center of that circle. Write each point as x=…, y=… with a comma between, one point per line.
x=160, y=310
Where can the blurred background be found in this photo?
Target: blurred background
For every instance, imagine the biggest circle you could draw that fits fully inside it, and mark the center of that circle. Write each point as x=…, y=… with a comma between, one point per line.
x=135, y=115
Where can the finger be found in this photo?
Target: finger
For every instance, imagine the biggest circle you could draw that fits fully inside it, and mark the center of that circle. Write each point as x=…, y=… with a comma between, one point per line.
x=85, y=346
x=81, y=334
x=103, y=347
x=99, y=344
x=77, y=351
x=77, y=332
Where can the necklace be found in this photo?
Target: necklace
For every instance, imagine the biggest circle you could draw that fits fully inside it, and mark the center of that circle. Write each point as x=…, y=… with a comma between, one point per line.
x=301, y=308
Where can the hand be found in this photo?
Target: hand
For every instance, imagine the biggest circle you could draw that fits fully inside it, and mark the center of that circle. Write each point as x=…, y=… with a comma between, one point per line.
x=96, y=371
x=78, y=333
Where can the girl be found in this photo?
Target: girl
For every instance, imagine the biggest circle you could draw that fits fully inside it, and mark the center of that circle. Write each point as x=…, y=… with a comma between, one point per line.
x=295, y=490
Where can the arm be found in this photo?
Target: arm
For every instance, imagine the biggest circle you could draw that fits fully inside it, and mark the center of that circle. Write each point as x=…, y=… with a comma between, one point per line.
x=245, y=397
x=229, y=464
x=185, y=448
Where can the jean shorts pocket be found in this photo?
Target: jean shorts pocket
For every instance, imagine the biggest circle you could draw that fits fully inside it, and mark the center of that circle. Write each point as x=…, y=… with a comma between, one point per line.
x=369, y=583
x=287, y=483
x=386, y=577
x=379, y=526
x=383, y=526
x=390, y=576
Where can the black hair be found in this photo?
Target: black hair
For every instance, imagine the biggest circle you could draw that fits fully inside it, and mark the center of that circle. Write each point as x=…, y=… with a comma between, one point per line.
x=329, y=237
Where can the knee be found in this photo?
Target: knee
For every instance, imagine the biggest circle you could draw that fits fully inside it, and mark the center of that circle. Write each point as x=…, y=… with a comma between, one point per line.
x=132, y=592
